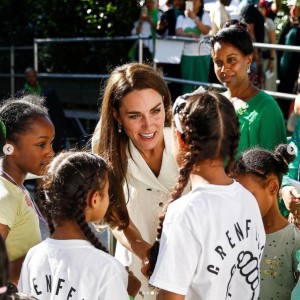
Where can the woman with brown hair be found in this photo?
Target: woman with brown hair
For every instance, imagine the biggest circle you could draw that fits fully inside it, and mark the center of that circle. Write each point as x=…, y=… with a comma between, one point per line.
x=131, y=135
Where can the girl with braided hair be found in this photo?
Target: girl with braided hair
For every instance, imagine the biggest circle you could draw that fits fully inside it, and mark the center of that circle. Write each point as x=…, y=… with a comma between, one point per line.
x=210, y=240
x=72, y=263
x=261, y=172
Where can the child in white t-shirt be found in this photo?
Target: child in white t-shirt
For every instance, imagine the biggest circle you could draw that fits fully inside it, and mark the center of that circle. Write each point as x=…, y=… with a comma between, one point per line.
x=72, y=263
x=210, y=241
x=261, y=172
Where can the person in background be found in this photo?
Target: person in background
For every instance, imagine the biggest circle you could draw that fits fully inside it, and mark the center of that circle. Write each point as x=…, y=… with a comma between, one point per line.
x=203, y=252
x=167, y=23
x=269, y=60
x=219, y=16
x=54, y=105
x=261, y=171
x=167, y=26
x=261, y=120
x=195, y=58
x=289, y=207
x=168, y=4
x=145, y=26
x=273, y=8
x=289, y=62
x=255, y=26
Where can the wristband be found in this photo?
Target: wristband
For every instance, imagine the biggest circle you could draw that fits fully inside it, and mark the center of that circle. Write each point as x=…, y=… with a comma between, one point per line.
x=130, y=297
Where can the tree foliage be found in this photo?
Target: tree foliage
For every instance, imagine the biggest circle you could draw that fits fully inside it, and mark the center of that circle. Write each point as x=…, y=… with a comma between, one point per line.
x=24, y=20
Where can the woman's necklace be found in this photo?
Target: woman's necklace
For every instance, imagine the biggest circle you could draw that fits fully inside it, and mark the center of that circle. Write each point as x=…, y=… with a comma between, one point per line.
x=29, y=200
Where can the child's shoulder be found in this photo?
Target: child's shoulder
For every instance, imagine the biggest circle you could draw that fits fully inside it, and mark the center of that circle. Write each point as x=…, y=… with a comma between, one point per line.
x=290, y=233
x=7, y=189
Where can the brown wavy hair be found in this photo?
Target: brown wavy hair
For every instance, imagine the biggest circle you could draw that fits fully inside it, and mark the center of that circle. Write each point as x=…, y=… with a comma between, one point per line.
x=111, y=144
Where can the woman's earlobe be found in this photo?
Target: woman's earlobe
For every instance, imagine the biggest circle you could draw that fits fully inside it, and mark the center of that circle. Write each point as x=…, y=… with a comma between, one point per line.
x=116, y=115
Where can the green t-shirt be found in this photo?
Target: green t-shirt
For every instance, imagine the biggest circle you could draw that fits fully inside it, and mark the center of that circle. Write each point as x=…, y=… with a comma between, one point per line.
x=261, y=123
x=294, y=170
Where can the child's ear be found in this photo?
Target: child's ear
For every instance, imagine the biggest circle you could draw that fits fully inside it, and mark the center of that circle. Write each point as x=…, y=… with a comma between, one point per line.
x=92, y=199
x=273, y=187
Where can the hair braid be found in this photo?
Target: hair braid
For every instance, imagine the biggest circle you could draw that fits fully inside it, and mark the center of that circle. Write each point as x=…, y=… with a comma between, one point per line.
x=80, y=219
x=184, y=174
x=234, y=146
x=69, y=180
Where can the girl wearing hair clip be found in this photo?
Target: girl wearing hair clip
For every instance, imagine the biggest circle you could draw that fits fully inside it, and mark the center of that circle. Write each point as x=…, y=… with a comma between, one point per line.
x=204, y=253
x=27, y=149
x=261, y=172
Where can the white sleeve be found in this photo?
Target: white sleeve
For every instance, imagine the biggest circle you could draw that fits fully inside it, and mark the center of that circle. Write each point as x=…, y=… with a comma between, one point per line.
x=116, y=285
x=179, y=22
x=176, y=264
x=206, y=19
x=24, y=280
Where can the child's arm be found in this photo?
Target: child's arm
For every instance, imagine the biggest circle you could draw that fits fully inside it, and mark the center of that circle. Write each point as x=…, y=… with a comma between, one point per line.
x=165, y=295
x=134, y=284
x=291, y=198
x=15, y=269
x=16, y=265
x=132, y=239
x=4, y=231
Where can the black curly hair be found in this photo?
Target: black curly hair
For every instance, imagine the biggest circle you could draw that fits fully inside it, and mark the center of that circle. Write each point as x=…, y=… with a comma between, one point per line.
x=18, y=114
x=261, y=163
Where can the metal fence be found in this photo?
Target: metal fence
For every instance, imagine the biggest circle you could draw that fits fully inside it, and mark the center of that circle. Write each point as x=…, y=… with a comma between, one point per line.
x=106, y=236
x=79, y=114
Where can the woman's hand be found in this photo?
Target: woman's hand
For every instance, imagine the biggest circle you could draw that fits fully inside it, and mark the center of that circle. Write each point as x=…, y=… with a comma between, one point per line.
x=291, y=198
x=132, y=239
x=190, y=14
x=145, y=267
x=134, y=284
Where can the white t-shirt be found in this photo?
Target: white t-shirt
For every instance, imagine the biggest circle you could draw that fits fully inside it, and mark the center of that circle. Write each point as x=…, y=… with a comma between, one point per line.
x=189, y=25
x=72, y=269
x=147, y=195
x=211, y=245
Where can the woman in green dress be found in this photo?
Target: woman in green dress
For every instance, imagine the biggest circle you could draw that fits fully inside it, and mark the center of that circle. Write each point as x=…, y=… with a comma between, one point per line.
x=261, y=120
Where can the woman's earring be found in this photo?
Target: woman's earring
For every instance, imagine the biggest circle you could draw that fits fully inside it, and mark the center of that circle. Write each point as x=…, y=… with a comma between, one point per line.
x=119, y=127
x=248, y=70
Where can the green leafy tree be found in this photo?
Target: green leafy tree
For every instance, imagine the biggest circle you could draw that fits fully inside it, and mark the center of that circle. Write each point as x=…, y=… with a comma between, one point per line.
x=24, y=20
